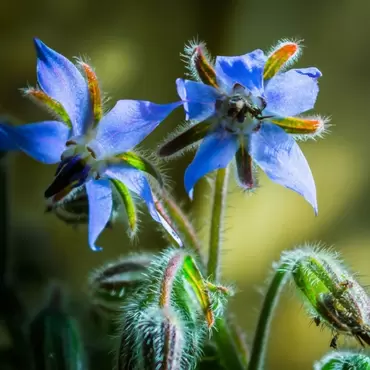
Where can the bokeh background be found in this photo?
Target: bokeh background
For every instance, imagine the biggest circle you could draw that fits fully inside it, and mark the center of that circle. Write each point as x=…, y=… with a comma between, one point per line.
x=134, y=47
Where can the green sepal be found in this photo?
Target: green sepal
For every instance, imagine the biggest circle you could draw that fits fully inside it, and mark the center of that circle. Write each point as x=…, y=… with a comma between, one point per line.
x=195, y=279
x=304, y=272
x=49, y=103
x=128, y=202
x=142, y=164
x=183, y=140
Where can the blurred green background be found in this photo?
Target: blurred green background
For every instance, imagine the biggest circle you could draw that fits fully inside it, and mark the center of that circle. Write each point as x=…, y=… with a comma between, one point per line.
x=134, y=47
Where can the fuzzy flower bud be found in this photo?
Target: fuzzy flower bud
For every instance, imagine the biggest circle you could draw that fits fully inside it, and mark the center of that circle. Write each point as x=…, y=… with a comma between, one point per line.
x=55, y=339
x=332, y=294
x=343, y=361
x=160, y=343
x=111, y=283
x=164, y=321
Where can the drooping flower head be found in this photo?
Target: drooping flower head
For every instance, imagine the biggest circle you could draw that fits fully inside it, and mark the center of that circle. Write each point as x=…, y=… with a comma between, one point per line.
x=246, y=107
x=93, y=149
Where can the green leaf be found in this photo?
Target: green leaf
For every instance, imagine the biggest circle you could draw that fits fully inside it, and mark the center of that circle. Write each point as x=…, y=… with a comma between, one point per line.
x=193, y=276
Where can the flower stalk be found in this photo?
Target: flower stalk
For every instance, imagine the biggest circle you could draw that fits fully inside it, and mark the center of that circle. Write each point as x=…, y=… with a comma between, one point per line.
x=228, y=349
x=258, y=354
x=173, y=214
x=217, y=219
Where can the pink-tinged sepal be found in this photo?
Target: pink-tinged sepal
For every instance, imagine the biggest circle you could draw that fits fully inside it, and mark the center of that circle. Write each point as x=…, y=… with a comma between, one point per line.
x=94, y=90
x=49, y=103
x=281, y=56
x=303, y=127
x=200, y=63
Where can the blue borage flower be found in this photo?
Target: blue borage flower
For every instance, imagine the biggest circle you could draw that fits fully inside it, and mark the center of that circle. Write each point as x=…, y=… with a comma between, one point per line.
x=250, y=105
x=92, y=149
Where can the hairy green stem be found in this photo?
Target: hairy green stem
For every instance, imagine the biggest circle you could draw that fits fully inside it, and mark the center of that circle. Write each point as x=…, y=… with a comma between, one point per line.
x=217, y=216
x=175, y=216
x=231, y=358
x=259, y=347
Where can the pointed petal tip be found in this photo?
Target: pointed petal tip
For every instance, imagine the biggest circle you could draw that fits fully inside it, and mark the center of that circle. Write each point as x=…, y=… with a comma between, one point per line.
x=37, y=41
x=315, y=209
x=189, y=190
x=190, y=194
x=39, y=45
x=95, y=248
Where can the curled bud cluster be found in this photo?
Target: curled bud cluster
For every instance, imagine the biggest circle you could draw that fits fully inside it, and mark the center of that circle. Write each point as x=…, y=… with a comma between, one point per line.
x=164, y=322
x=333, y=296
x=111, y=283
x=344, y=361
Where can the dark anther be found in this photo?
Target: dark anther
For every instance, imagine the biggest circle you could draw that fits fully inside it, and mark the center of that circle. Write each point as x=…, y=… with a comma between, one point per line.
x=72, y=172
x=91, y=152
x=70, y=142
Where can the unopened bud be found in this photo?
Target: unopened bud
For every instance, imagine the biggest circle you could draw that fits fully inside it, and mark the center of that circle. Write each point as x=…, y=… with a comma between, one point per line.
x=111, y=283
x=162, y=341
x=55, y=339
x=72, y=208
x=344, y=361
x=164, y=321
x=333, y=295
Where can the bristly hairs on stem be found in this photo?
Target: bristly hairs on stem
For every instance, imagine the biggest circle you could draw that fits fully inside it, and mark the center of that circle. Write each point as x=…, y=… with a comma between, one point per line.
x=178, y=220
x=217, y=219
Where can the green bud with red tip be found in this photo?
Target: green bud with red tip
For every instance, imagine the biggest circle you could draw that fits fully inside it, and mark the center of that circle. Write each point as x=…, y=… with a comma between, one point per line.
x=165, y=321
